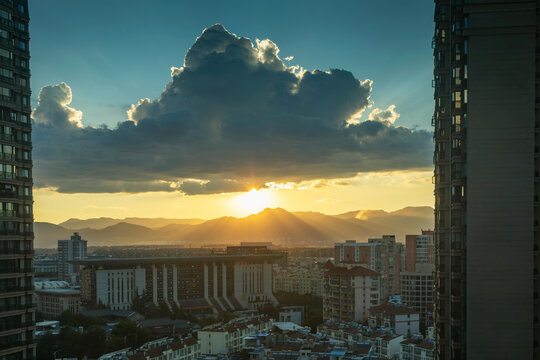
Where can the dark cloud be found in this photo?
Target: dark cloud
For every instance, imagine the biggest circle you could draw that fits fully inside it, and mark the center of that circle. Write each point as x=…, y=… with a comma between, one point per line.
x=233, y=117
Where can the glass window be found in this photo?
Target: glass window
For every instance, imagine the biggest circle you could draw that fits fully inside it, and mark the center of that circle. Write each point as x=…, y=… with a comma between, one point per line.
x=5, y=15
x=21, y=27
x=22, y=45
x=6, y=54
x=21, y=8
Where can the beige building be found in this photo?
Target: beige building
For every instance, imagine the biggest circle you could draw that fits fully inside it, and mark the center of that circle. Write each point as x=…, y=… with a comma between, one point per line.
x=53, y=302
x=349, y=292
x=300, y=282
x=230, y=337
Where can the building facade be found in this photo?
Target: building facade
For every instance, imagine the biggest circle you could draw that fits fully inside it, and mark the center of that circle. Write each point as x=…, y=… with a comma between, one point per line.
x=53, y=302
x=487, y=181
x=403, y=320
x=418, y=292
x=349, y=291
x=420, y=249
x=204, y=283
x=17, y=311
x=300, y=281
x=383, y=255
x=69, y=250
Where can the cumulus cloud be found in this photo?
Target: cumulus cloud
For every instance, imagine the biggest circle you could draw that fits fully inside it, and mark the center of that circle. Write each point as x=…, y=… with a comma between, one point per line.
x=233, y=117
x=389, y=115
x=53, y=107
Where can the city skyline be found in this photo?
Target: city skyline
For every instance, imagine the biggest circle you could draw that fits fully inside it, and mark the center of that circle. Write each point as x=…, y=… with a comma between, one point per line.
x=395, y=170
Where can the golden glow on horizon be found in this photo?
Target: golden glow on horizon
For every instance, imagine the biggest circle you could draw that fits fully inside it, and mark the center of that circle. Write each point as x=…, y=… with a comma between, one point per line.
x=254, y=201
x=371, y=191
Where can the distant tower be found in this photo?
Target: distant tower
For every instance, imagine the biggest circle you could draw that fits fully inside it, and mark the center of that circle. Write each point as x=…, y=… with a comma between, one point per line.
x=487, y=163
x=73, y=249
x=17, y=312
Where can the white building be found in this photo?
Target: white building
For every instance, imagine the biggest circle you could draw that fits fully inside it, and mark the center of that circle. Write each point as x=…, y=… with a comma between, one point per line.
x=293, y=314
x=117, y=289
x=229, y=337
x=68, y=250
x=300, y=281
x=53, y=302
x=401, y=319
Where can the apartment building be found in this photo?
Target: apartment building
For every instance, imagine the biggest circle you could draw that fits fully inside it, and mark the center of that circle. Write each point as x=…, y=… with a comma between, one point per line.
x=401, y=319
x=487, y=181
x=420, y=249
x=202, y=283
x=229, y=337
x=418, y=292
x=53, y=302
x=68, y=250
x=349, y=291
x=160, y=349
x=383, y=255
x=17, y=311
x=300, y=281
x=417, y=349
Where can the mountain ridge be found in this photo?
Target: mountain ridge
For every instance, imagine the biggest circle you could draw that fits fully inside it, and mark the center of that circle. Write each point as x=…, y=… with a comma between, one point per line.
x=302, y=228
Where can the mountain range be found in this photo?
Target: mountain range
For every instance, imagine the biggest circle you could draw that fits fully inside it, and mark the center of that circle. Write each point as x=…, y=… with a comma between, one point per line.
x=279, y=226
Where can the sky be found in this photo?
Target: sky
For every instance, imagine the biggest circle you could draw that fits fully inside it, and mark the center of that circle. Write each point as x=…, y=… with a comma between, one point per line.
x=318, y=106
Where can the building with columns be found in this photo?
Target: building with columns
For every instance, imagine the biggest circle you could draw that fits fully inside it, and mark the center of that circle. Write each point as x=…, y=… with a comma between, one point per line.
x=203, y=283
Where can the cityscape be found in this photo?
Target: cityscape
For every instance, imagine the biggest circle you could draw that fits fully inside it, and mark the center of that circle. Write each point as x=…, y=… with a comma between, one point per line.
x=253, y=181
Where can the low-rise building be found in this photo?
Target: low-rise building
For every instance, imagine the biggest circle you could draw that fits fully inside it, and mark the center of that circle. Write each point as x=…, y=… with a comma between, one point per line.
x=349, y=292
x=229, y=337
x=53, y=302
x=401, y=319
x=293, y=314
x=417, y=349
x=160, y=349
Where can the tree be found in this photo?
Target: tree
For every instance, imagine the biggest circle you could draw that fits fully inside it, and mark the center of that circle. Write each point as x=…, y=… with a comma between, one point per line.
x=94, y=342
x=71, y=344
x=128, y=333
x=46, y=346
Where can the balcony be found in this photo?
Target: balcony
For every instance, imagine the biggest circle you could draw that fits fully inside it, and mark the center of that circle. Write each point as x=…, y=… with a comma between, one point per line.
x=8, y=213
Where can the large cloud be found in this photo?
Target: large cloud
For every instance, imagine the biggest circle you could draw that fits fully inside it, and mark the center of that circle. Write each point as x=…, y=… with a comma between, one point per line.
x=234, y=116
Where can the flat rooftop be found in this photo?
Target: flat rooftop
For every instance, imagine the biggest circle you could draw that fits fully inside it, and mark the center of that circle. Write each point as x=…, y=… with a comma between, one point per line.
x=177, y=259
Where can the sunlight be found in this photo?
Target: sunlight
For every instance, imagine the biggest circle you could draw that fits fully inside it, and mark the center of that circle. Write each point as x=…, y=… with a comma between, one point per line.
x=254, y=201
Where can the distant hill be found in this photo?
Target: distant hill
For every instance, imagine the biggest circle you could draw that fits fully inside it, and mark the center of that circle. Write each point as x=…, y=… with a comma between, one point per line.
x=276, y=225
x=103, y=222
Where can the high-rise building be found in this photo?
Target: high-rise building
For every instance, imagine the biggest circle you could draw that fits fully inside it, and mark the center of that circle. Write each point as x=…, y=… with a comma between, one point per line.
x=17, y=311
x=487, y=164
x=417, y=291
x=420, y=249
x=69, y=250
x=383, y=255
x=349, y=292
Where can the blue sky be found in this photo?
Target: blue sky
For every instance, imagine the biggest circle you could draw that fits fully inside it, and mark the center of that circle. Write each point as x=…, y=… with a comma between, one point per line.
x=113, y=53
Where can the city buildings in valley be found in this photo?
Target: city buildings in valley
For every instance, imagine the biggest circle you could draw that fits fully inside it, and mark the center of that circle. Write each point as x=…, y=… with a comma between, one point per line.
x=349, y=291
x=383, y=255
x=17, y=311
x=201, y=283
x=68, y=250
x=487, y=182
x=420, y=250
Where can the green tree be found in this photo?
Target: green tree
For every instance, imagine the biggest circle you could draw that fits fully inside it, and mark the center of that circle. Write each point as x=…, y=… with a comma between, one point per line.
x=46, y=346
x=94, y=341
x=71, y=344
x=128, y=333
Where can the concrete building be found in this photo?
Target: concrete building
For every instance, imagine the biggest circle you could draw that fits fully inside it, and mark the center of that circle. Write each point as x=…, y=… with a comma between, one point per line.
x=401, y=319
x=383, y=255
x=418, y=292
x=349, y=291
x=69, y=250
x=160, y=349
x=487, y=183
x=17, y=311
x=416, y=348
x=229, y=337
x=203, y=283
x=420, y=249
x=45, y=266
x=294, y=314
x=53, y=302
x=300, y=281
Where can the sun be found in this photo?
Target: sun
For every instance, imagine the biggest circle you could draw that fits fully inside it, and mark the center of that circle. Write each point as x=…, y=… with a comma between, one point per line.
x=254, y=201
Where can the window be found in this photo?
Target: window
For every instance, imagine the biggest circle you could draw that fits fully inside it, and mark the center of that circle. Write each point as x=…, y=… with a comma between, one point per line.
x=22, y=45
x=24, y=100
x=4, y=34
x=6, y=73
x=20, y=8
x=5, y=92
x=21, y=27
x=5, y=15
x=6, y=54
x=24, y=119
